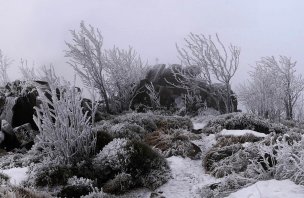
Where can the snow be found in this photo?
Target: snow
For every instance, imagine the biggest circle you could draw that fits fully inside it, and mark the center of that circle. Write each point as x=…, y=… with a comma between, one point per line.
x=271, y=189
x=188, y=175
x=226, y=132
x=199, y=125
x=17, y=175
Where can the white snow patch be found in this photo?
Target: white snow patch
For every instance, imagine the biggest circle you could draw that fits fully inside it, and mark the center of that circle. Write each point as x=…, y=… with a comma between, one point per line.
x=17, y=175
x=199, y=125
x=188, y=176
x=270, y=189
x=226, y=132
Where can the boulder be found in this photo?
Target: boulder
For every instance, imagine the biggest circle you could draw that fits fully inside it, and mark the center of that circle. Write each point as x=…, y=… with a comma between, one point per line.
x=169, y=89
x=23, y=110
x=7, y=137
x=25, y=135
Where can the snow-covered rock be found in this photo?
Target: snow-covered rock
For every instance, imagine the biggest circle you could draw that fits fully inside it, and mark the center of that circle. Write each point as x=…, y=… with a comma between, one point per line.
x=17, y=175
x=271, y=189
x=226, y=132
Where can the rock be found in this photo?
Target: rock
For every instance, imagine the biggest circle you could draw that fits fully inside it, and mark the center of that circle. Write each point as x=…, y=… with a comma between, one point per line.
x=6, y=127
x=25, y=135
x=23, y=110
x=168, y=89
x=7, y=137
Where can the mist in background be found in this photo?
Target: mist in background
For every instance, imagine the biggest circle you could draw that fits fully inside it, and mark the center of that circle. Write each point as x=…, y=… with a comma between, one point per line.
x=36, y=30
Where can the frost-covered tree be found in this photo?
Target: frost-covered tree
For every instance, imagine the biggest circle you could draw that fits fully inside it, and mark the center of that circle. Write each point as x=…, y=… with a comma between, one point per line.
x=274, y=88
x=88, y=59
x=66, y=134
x=215, y=61
x=124, y=69
x=4, y=64
x=261, y=95
x=113, y=72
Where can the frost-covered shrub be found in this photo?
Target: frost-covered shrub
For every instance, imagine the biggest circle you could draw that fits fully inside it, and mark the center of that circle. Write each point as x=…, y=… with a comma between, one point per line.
x=283, y=159
x=146, y=167
x=20, y=192
x=12, y=160
x=121, y=183
x=243, y=121
x=65, y=132
x=226, y=186
x=4, y=179
x=236, y=163
x=173, y=142
x=151, y=122
x=79, y=181
x=217, y=154
x=229, y=140
x=127, y=130
x=51, y=175
x=115, y=155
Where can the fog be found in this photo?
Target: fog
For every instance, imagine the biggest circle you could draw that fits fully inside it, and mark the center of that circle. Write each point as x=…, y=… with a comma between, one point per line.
x=36, y=30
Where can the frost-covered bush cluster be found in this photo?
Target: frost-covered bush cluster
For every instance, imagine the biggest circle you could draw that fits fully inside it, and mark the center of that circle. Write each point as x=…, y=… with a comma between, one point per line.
x=243, y=121
x=278, y=156
x=138, y=125
x=65, y=131
x=150, y=121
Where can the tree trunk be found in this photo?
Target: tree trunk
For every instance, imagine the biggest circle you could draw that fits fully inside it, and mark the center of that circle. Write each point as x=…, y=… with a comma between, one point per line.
x=228, y=98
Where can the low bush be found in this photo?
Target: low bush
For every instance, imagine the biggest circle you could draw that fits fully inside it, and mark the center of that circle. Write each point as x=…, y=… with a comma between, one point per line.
x=283, y=159
x=4, y=179
x=216, y=155
x=243, y=121
x=151, y=122
x=52, y=175
x=226, y=186
x=121, y=183
x=173, y=142
x=20, y=192
x=130, y=159
x=229, y=140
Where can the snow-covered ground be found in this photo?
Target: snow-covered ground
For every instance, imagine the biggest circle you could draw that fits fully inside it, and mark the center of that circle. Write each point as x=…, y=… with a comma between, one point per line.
x=270, y=189
x=17, y=175
x=188, y=175
x=226, y=132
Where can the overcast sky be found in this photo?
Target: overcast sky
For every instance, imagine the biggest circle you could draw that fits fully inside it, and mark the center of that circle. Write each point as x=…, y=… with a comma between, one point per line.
x=36, y=29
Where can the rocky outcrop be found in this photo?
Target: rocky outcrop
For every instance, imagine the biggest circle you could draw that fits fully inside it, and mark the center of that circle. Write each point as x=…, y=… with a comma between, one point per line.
x=164, y=81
